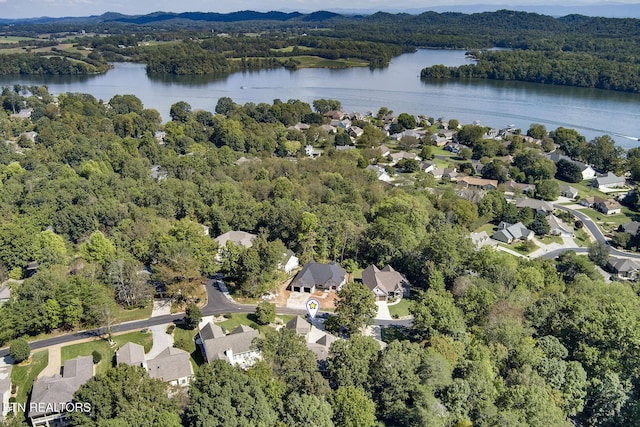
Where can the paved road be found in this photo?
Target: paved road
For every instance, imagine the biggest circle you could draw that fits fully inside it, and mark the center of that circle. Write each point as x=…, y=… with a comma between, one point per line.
x=217, y=304
x=597, y=233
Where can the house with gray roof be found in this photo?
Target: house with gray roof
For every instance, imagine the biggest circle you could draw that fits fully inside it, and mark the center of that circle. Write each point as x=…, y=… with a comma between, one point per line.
x=380, y=172
x=240, y=238
x=50, y=395
x=482, y=239
x=172, y=365
x=558, y=227
x=509, y=233
x=314, y=275
x=624, y=268
x=538, y=206
x=512, y=186
x=568, y=191
x=386, y=284
x=608, y=181
x=318, y=341
x=630, y=227
x=235, y=347
x=587, y=171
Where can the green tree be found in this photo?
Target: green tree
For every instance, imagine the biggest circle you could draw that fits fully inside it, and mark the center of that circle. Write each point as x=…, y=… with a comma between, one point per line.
x=192, y=316
x=434, y=313
x=126, y=395
x=224, y=106
x=99, y=249
x=222, y=395
x=540, y=225
x=180, y=111
x=265, y=312
x=406, y=121
x=352, y=407
x=537, y=131
x=548, y=189
x=568, y=171
x=356, y=307
x=307, y=410
x=599, y=253
x=350, y=361
x=19, y=350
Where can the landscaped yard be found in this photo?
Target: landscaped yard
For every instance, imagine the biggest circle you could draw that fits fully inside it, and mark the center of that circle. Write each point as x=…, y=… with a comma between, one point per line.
x=106, y=352
x=489, y=228
x=400, y=309
x=547, y=240
x=123, y=315
x=581, y=237
x=608, y=223
x=584, y=188
x=184, y=339
x=23, y=374
x=525, y=248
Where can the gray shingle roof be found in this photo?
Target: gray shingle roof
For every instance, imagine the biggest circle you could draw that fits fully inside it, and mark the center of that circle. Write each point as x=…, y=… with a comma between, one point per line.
x=314, y=273
x=387, y=280
x=171, y=364
x=130, y=354
x=298, y=324
x=241, y=238
x=239, y=341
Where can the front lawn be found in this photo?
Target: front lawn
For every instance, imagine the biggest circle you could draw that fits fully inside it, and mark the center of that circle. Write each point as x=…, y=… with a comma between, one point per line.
x=547, y=240
x=126, y=315
x=106, y=351
x=184, y=339
x=23, y=375
x=609, y=223
x=400, y=309
x=581, y=237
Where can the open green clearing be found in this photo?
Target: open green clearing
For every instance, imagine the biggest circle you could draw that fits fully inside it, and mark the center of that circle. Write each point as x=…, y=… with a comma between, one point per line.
x=24, y=374
x=400, y=309
x=307, y=61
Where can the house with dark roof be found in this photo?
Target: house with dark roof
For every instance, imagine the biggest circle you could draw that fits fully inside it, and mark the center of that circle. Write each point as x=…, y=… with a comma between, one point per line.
x=509, y=233
x=314, y=275
x=624, y=268
x=318, y=341
x=50, y=395
x=386, y=284
x=235, y=347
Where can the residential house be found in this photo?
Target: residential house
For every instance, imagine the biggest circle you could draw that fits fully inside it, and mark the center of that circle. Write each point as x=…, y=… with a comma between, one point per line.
x=477, y=166
x=312, y=152
x=158, y=173
x=288, y=262
x=334, y=114
x=624, y=268
x=5, y=291
x=172, y=365
x=239, y=238
x=515, y=187
x=235, y=347
x=557, y=227
x=588, y=201
x=482, y=239
x=160, y=137
x=568, y=191
x=384, y=150
x=538, y=206
x=396, y=157
x=386, y=284
x=380, y=172
x=318, y=341
x=439, y=140
x=449, y=173
x=472, y=195
x=427, y=166
x=319, y=276
x=355, y=132
x=329, y=128
x=479, y=183
x=50, y=395
x=509, y=233
x=25, y=113
x=608, y=181
x=607, y=206
x=587, y=171
x=630, y=227
x=345, y=147
x=31, y=135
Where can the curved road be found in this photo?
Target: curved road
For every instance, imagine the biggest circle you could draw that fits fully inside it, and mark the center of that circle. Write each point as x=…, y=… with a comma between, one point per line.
x=217, y=304
x=596, y=232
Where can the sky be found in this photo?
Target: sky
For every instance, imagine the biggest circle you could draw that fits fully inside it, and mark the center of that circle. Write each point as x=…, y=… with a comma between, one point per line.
x=58, y=8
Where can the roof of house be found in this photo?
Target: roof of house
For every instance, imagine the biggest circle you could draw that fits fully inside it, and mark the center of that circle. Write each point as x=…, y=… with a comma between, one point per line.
x=386, y=280
x=238, y=341
x=568, y=189
x=237, y=237
x=534, y=204
x=512, y=185
x=171, y=364
x=50, y=393
x=515, y=231
x=479, y=182
x=631, y=227
x=556, y=223
x=130, y=354
x=211, y=331
x=314, y=273
x=622, y=265
x=403, y=155
x=300, y=325
x=609, y=178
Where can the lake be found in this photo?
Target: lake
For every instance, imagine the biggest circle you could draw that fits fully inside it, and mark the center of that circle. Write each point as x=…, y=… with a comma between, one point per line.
x=398, y=87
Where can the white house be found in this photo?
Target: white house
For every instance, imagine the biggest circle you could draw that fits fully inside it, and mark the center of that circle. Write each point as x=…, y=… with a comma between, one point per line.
x=289, y=262
x=608, y=181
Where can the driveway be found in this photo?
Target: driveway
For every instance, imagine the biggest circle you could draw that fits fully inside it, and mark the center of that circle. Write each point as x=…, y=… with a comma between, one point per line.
x=161, y=307
x=383, y=311
x=161, y=340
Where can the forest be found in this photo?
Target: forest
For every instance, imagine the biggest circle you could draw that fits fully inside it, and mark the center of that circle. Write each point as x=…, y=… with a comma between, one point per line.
x=572, y=50
x=110, y=214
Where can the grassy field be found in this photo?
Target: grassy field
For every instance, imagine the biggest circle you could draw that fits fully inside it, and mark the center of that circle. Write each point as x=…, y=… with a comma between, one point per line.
x=107, y=352
x=581, y=237
x=289, y=49
x=308, y=61
x=14, y=39
x=124, y=315
x=609, y=223
x=23, y=375
x=584, y=188
x=489, y=228
x=184, y=339
x=550, y=239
